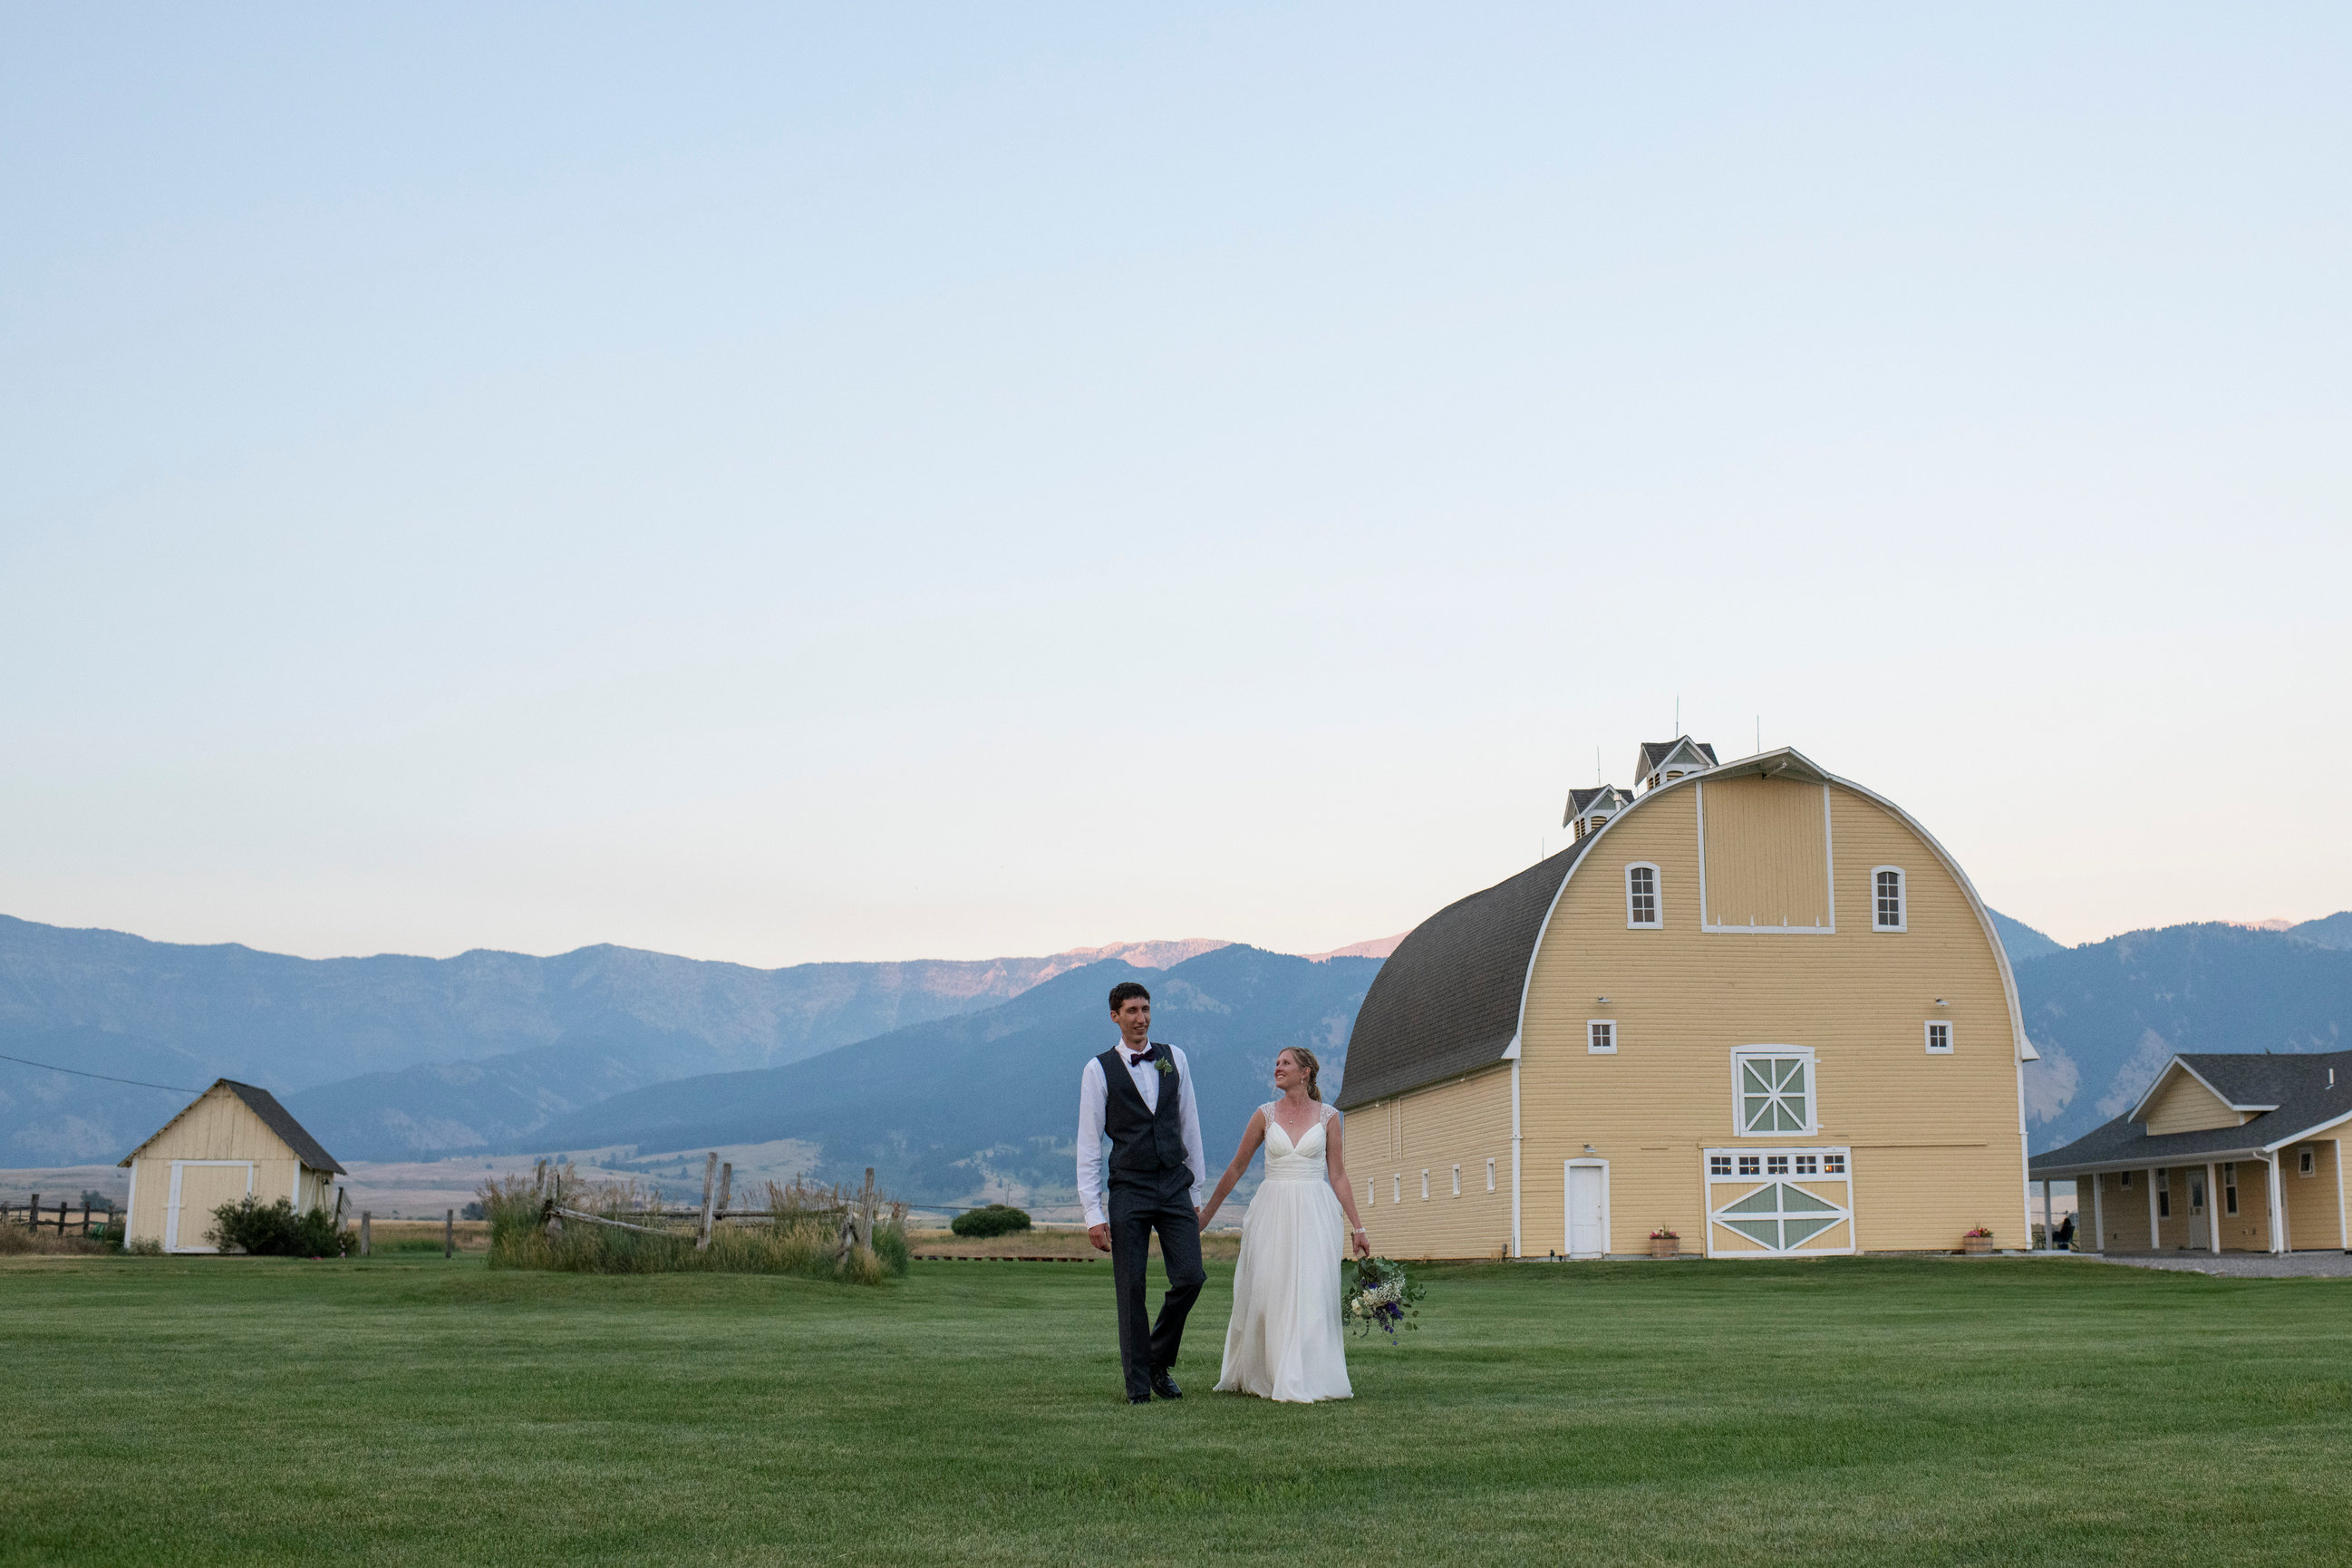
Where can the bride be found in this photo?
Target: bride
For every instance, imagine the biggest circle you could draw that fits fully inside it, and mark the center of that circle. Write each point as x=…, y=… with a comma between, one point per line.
x=1284, y=1342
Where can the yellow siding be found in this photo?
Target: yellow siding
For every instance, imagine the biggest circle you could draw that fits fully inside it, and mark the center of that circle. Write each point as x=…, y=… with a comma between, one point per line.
x=2123, y=1211
x=1935, y=1140
x=1765, y=862
x=1388, y=1145
x=218, y=1126
x=2185, y=1105
x=2311, y=1218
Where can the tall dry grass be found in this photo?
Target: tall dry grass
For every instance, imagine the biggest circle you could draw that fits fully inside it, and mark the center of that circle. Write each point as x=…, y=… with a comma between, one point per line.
x=802, y=1238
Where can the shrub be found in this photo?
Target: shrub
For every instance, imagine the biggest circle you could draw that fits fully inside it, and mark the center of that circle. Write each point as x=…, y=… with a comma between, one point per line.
x=273, y=1230
x=891, y=1246
x=803, y=1238
x=996, y=1219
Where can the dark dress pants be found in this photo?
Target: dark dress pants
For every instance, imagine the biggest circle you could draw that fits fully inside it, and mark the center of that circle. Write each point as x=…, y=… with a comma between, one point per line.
x=1139, y=1206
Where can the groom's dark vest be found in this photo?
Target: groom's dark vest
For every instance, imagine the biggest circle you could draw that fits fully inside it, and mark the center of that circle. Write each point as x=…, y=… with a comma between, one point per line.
x=1143, y=1141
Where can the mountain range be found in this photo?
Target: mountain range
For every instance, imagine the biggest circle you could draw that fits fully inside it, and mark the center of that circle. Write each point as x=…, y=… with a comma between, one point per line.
x=953, y=1076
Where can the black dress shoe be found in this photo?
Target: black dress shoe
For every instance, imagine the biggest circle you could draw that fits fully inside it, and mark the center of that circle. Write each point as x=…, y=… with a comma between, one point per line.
x=1138, y=1399
x=1164, y=1386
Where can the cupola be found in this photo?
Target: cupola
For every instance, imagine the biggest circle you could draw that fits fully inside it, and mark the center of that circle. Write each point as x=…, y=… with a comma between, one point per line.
x=1589, y=808
x=1663, y=761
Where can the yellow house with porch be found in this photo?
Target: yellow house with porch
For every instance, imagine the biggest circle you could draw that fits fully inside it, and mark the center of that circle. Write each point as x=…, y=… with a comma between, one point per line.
x=2225, y=1152
x=1750, y=1003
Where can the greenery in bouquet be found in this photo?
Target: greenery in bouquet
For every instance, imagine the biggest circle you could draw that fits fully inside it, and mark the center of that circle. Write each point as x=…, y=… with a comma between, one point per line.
x=1380, y=1297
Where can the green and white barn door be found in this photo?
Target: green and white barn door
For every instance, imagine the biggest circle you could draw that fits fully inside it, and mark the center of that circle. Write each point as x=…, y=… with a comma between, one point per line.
x=1779, y=1203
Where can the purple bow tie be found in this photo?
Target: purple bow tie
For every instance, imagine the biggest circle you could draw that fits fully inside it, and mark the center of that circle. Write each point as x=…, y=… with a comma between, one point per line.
x=1136, y=1061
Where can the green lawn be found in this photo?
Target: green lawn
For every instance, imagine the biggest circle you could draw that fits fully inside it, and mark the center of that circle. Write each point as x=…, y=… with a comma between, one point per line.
x=417, y=1411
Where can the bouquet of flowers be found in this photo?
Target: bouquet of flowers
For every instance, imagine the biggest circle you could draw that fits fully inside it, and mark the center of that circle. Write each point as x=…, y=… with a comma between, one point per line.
x=1380, y=1297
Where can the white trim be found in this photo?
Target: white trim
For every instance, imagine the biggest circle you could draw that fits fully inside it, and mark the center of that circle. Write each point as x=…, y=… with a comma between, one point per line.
x=2315, y=1128
x=1568, y=1220
x=2098, y=1209
x=171, y=1213
x=1902, y=899
x=2155, y=1220
x=1516, y=1251
x=1657, y=895
x=2342, y=1225
x=1813, y=1090
x=1928, y=1034
x=1700, y=818
x=1591, y=1048
x=2279, y=1234
x=131, y=1205
x=2212, y=1205
x=1765, y=1174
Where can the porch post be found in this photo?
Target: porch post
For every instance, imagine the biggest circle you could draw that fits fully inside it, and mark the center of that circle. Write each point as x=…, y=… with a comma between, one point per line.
x=2214, y=1205
x=2098, y=1209
x=2278, y=1207
x=2049, y=1231
x=2155, y=1235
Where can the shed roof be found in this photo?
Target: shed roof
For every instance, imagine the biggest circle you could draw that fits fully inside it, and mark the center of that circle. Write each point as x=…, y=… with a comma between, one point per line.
x=2297, y=1086
x=274, y=1116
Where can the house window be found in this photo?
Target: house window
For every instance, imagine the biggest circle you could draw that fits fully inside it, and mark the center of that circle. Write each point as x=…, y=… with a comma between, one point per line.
x=2306, y=1161
x=1601, y=1037
x=1886, y=898
x=2196, y=1194
x=1718, y=1164
x=1774, y=1091
x=1458, y=1181
x=2125, y=1181
x=1939, y=1039
x=2229, y=1186
x=2163, y=1194
x=1424, y=1186
x=1490, y=1175
x=1641, y=898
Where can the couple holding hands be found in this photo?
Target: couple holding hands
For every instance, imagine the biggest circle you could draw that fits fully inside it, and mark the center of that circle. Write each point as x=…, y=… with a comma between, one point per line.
x=1285, y=1340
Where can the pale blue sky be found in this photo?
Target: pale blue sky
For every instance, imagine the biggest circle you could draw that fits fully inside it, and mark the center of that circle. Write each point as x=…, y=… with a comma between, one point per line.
x=963, y=481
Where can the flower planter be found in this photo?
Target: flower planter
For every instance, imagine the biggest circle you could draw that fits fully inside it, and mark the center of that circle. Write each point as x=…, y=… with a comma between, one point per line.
x=1978, y=1246
x=1665, y=1246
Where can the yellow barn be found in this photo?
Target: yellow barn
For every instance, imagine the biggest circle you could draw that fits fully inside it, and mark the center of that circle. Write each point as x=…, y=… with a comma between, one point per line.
x=232, y=1140
x=1753, y=1005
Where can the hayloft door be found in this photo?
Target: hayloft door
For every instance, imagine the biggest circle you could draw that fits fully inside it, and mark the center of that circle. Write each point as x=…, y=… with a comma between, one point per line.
x=1587, y=1208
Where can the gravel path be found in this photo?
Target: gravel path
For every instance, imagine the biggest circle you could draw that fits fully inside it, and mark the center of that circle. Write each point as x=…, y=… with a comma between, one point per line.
x=2240, y=1264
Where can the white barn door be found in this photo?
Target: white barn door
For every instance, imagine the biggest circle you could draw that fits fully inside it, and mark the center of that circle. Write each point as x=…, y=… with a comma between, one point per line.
x=1587, y=1208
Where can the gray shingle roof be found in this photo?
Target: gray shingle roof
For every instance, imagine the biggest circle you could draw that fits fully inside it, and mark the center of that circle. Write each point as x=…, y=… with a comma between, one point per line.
x=281, y=1121
x=2297, y=1085
x=1447, y=1000
x=1652, y=753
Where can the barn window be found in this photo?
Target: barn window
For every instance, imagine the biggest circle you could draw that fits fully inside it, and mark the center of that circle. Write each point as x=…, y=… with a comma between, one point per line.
x=1600, y=1037
x=1641, y=908
x=1774, y=1091
x=1939, y=1038
x=1808, y=1165
x=1886, y=898
x=1833, y=1164
x=1751, y=1166
x=1718, y=1164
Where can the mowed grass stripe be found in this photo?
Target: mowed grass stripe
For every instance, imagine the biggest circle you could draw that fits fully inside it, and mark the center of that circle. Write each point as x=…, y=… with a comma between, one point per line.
x=1862, y=1411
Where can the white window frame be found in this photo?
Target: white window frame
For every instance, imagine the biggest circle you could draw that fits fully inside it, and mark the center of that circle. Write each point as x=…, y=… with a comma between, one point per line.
x=1902, y=900
x=1596, y=1030
x=2306, y=1161
x=1490, y=1175
x=2228, y=1188
x=1741, y=1055
x=1929, y=1031
x=1657, y=895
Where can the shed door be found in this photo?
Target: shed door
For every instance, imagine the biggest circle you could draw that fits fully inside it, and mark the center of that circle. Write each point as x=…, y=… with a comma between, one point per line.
x=198, y=1187
x=1588, y=1211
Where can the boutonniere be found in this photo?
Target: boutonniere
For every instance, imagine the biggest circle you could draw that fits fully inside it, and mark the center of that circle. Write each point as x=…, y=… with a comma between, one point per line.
x=1167, y=1066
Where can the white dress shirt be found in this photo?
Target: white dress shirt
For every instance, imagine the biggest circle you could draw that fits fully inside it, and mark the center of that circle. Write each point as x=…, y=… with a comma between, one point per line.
x=1093, y=1090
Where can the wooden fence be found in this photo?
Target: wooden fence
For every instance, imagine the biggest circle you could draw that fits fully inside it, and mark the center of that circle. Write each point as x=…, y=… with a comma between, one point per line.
x=34, y=1214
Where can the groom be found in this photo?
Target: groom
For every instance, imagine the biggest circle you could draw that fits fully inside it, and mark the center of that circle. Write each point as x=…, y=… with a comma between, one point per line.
x=1139, y=1093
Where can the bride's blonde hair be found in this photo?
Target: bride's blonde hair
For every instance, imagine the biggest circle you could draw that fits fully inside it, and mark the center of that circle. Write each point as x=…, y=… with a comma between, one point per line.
x=1305, y=1058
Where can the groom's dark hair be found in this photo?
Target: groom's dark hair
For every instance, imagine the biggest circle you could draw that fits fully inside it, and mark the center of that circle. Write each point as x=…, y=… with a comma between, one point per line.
x=1125, y=989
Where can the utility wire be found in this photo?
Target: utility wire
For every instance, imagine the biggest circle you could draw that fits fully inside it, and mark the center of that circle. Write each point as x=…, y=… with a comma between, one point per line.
x=77, y=1072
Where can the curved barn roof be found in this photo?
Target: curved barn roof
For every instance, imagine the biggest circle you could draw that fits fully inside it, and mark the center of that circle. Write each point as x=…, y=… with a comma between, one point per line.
x=1447, y=1000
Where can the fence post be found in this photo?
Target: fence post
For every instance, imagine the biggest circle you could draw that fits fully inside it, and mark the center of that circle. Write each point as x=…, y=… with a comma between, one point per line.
x=709, y=1173
x=33, y=1214
x=449, y=1234
x=866, y=1213
x=726, y=1186
x=367, y=1242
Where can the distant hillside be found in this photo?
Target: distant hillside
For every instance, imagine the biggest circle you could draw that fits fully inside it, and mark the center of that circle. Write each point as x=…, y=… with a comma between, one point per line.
x=944, y=1107
x=2336, y=931
x=562, y=1030
x=2107, y=1014
x=2021, y=941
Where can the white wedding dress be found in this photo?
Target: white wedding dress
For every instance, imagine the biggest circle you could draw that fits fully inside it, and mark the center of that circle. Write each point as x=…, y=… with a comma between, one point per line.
x=1284, y=1343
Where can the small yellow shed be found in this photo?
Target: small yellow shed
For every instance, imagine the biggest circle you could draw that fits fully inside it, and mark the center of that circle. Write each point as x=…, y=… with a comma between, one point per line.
x=232, y=1140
